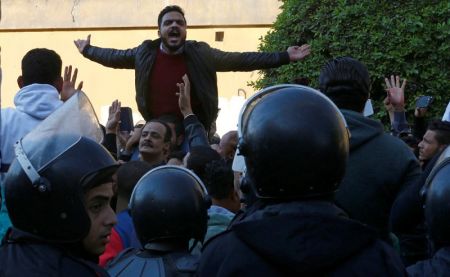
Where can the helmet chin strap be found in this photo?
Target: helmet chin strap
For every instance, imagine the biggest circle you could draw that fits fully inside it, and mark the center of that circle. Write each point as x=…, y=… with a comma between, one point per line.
x=32, y=174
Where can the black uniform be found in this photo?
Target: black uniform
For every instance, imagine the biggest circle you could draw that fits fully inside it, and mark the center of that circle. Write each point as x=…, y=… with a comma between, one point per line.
x=299, y=239
x=23, y=254
x=133, y=262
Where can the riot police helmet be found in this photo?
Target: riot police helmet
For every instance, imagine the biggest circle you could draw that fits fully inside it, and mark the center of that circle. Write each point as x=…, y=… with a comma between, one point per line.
x=169, y=203
x=45, y=185
x=294, y=141
x=437, y=199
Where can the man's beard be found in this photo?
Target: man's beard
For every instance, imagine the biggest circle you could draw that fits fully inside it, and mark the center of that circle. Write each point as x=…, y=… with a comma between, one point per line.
x=172, y=48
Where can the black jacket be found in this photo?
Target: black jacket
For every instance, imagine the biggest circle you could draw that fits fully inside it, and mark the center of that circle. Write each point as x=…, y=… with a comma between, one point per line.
x=202, y=64
x=407, y=220
x=143, y=263
x=299, y=239
x=194, y=132
x=23, y=254
x=379, y=167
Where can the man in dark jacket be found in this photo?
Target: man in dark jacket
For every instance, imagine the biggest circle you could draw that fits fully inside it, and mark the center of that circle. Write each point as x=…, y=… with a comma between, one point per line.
x=295, y=159
x=407, y=216
x=58, y=194
x=437, y=218
x=160, y=64
x=435, y=139
x=379, y=165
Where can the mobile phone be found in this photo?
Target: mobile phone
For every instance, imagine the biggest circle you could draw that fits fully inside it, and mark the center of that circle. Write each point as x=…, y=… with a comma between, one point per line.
x=424, y=101
x=126, y=119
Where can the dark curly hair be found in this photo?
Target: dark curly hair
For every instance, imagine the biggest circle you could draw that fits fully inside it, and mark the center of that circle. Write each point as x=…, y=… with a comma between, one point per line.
x=168, y=9
x=442, y=131
x=219, y=179
x=41, y=66
x=346, y=82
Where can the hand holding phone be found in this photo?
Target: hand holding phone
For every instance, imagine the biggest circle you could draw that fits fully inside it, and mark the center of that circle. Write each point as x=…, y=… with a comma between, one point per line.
x=126, y=119
x=424, y=102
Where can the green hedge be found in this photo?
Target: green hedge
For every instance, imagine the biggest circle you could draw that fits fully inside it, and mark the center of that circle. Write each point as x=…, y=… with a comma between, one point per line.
x=410, y=38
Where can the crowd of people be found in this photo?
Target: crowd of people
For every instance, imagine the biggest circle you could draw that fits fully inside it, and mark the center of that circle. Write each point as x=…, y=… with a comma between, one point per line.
x=324, y=190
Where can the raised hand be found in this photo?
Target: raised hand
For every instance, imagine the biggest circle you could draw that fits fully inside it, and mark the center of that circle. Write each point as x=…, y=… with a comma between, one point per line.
x=184, y=94
x=420, y=112
x=387, y=104
x=389, y=108
x=68, y=88
x=113, y=118
x=82, y=43
x=297, y=53
x=134, y=138
x=395, y=92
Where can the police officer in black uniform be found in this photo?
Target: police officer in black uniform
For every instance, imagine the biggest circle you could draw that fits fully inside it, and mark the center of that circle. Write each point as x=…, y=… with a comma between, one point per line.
x=169, y=208
x=437, y=218
x=295, y=144
x=44, y=193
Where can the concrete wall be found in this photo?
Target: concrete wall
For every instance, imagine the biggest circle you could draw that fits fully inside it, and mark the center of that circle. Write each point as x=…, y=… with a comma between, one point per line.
x=55, y=24
x=131, y=13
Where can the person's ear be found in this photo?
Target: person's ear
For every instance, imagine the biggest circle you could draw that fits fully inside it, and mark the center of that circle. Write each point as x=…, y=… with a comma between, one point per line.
x=166, y=148
x=20, y=81
x=236, y=200
x=159, y=33
x=235, y=196
x=58, y=84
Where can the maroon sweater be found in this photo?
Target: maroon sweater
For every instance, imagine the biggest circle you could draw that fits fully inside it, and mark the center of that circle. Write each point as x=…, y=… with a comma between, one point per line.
x=167, y=71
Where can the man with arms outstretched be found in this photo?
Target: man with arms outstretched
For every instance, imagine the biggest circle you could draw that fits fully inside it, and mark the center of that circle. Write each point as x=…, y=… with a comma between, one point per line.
x=160, y=64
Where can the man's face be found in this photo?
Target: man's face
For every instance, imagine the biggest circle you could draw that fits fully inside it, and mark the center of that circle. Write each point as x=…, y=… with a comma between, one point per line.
x=172, y=31
x=152, y=140
x=429, y=146
x=102, y=218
